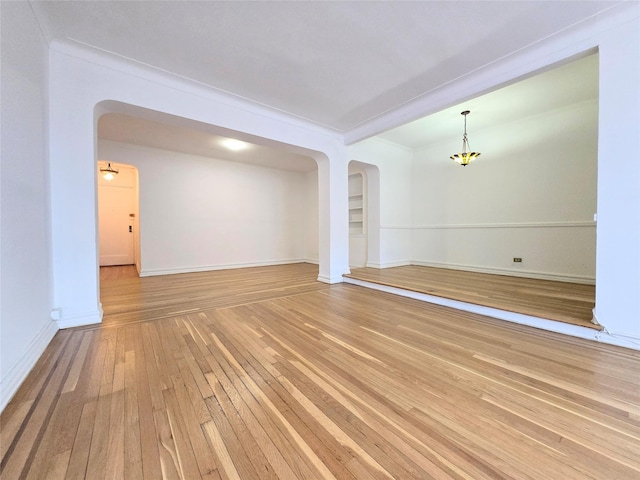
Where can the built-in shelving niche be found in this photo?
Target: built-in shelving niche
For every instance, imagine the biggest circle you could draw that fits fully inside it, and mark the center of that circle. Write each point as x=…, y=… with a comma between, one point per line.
x=356, y=205
x=357, y=221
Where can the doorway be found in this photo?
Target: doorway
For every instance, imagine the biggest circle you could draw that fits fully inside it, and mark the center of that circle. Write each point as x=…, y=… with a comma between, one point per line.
x=364, y=215
x=118, y=216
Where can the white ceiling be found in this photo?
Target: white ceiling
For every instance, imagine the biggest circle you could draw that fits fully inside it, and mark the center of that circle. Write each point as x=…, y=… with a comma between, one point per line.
x=196, y=141
x=561, y=87
x=566, y=85
x=338, y=64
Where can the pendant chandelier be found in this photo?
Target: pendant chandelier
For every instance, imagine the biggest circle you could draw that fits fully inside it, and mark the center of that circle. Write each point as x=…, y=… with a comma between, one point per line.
x=108, y=172
x=466, y=156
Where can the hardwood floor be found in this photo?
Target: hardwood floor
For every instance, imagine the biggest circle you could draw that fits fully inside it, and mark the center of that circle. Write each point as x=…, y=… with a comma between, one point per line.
x=126, y=298
x=275, y=376
x=117, y=272
x=561, y=301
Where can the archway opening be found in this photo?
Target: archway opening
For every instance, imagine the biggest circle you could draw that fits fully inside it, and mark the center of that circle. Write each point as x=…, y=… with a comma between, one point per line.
x=364, y=214
x=207, y=204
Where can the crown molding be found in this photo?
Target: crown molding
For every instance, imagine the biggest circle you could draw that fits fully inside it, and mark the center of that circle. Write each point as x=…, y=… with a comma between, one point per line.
x=574, y=42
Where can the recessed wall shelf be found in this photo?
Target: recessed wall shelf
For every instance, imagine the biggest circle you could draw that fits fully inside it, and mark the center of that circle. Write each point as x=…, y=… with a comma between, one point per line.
x=356, y=205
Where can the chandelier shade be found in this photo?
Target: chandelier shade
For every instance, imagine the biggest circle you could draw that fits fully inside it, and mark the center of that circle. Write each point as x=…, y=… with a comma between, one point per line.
x=467, y=156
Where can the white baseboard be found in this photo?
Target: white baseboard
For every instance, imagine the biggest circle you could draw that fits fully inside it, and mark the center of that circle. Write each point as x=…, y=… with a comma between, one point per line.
x=542, y=323
x=330, y=280
x=620, y=339
x=388, y=264
x=10, y=383
x=558, y=277
x=209, y=268
x=80, y=320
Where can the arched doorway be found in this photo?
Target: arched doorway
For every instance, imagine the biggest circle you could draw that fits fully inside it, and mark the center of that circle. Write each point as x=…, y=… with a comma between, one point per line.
x=364, y=214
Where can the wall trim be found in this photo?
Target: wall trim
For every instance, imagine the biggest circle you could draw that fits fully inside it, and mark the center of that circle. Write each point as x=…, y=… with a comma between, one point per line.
x=507, y=225
x=81, y=319
x=460, y=226
x=384, y=141
x=396, y=227
x=620, y=339
x=403, y=263
x=558, y=277
x=542, y=323
x=123, y=64
x=331, y=280
x=18, y=372
x=574, y=40
x=228, y=266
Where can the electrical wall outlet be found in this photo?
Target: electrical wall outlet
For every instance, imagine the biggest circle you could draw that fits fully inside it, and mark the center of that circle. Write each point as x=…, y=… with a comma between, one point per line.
x=517, y=260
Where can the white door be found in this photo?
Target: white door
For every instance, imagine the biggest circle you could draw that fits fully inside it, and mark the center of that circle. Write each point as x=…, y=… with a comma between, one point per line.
x=116, y=207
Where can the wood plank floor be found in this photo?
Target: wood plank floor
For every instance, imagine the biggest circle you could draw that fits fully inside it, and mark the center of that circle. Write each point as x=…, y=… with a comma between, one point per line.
x=126, y=298
x=561, y=301
x=331, y=382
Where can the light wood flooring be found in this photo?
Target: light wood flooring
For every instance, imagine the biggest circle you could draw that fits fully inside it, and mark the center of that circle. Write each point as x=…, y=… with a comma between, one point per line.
x=272, y=375
x=126, y=298
x=561, y=301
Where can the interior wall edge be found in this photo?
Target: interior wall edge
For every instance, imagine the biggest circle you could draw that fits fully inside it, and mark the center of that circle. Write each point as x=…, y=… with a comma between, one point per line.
x=18, y=372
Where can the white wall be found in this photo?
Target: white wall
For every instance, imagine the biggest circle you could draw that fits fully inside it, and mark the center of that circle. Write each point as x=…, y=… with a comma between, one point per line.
x=26, y=296
x=200, y=213
x=310, y=233
x=618, y=249
x=533, y=200
x=394, y=164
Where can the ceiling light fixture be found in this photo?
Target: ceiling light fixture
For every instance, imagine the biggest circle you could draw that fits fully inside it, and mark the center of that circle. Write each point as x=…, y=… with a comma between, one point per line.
x=467, y=156
x=234, y=145
x=108, y=172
